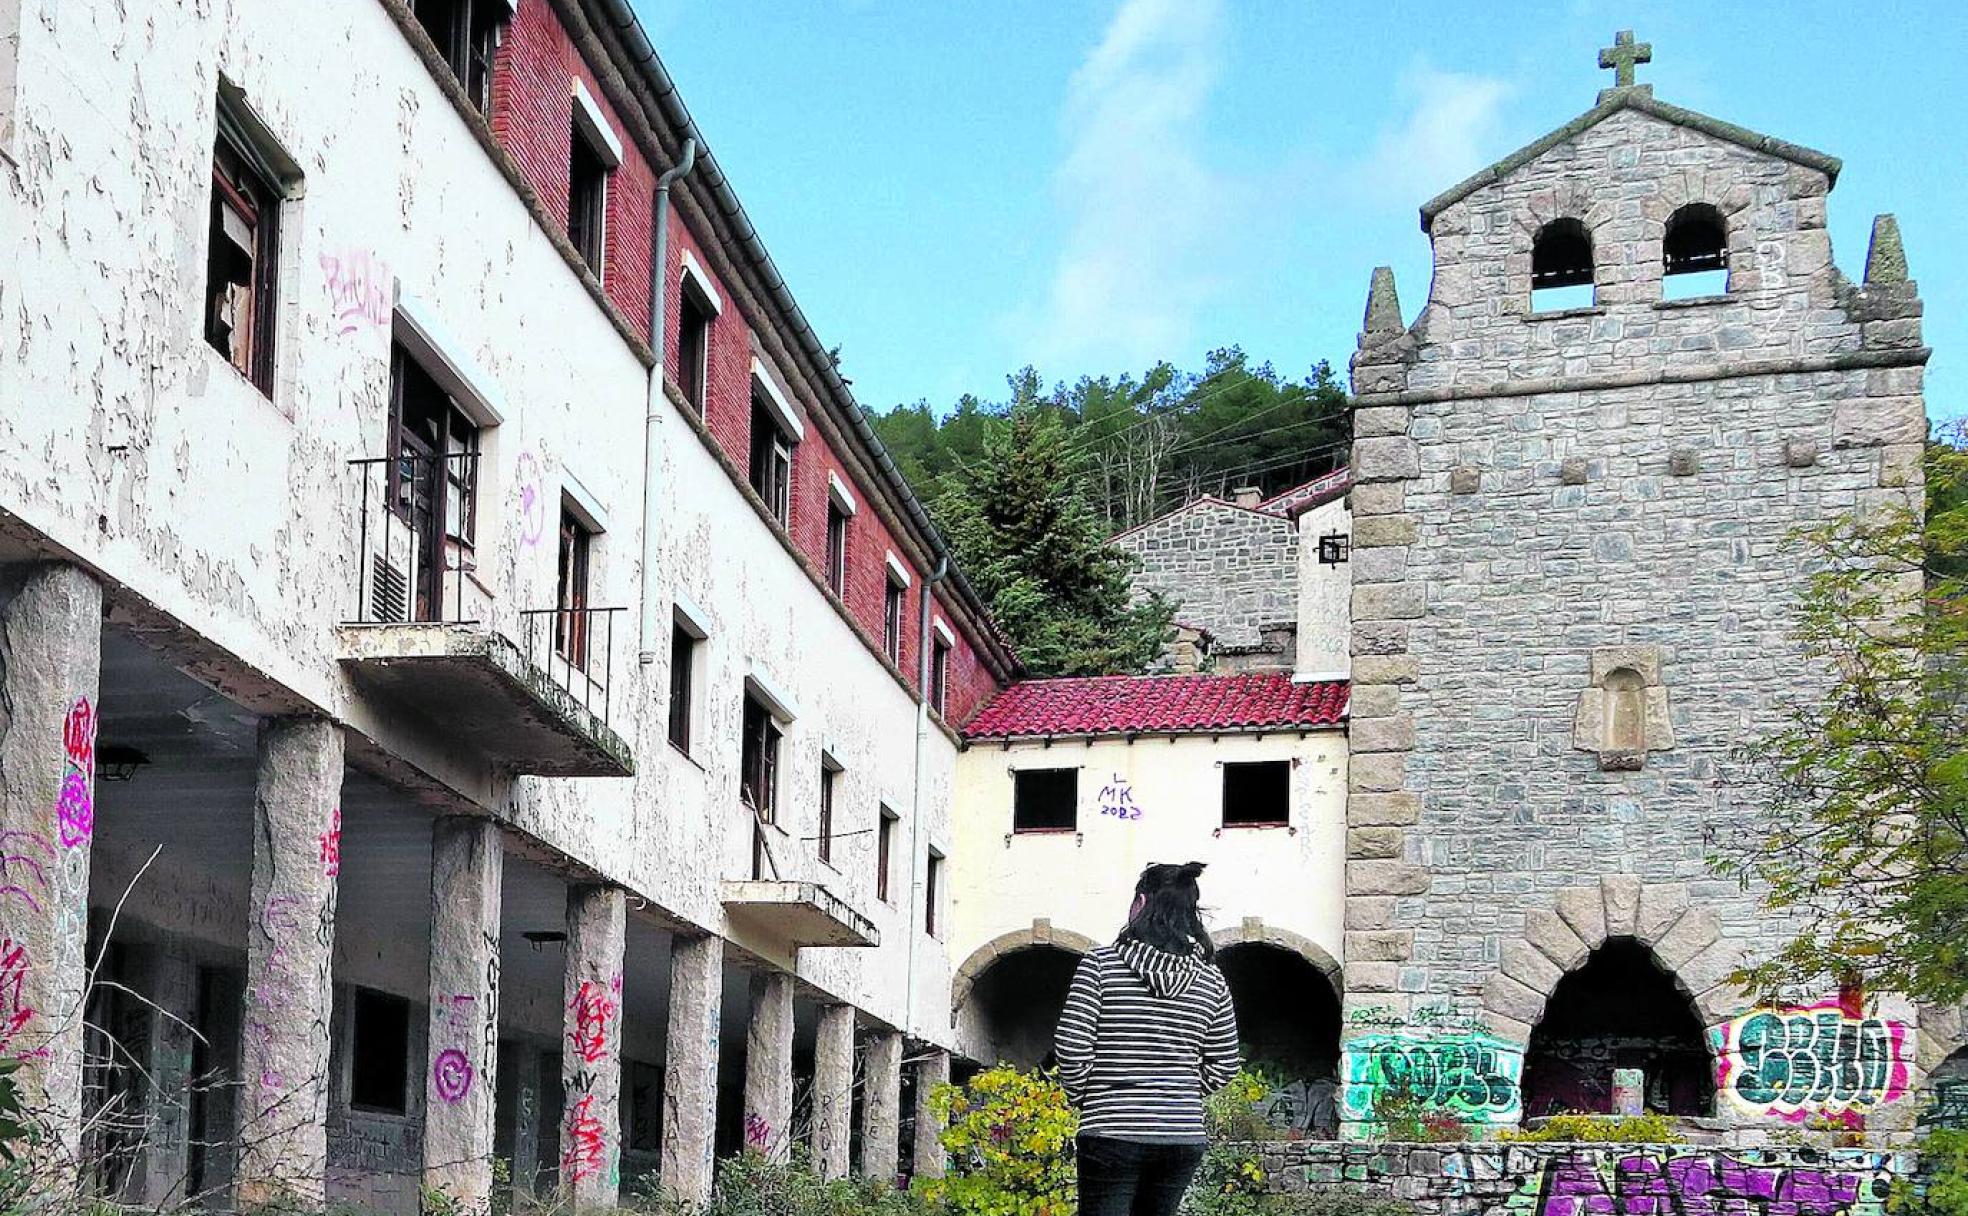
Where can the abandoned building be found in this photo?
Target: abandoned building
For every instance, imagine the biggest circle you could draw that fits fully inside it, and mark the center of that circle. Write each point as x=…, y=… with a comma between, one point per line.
x=473, y=689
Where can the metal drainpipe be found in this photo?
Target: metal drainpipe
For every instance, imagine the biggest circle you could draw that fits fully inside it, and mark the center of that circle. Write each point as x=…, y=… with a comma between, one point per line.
x=918, y=847
x=658, y=334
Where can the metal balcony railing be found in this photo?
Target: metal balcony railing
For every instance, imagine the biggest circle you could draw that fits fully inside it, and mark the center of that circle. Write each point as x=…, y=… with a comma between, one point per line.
x=414, y=538
x=576, y=647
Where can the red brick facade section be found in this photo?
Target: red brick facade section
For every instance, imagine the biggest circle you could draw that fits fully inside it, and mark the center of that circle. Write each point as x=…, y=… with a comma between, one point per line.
x=532, y=118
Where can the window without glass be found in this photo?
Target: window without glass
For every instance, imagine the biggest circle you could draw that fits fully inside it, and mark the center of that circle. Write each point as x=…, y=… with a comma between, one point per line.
x=379, y=1052
x=1695, y=253
x=892, y=601
x=772, y=460
x=571, y=619
x=939, y=673
x=1045, y=799
x=433, y=475
x=1257, y=794
x=467, y=35
x=693, y=346
x=829, y=781
x=683, y=662
x=836, y=548
x=240, y=259
x=932, y=891
x=587, y=198
x=1561, y=267
x=884, y=852
x=759, y=760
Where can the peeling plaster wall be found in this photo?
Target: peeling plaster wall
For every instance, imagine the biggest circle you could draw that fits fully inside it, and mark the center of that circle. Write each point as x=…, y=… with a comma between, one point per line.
x=125, y=438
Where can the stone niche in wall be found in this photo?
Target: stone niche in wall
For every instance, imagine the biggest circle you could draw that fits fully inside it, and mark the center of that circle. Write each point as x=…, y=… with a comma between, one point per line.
x=1623, y=712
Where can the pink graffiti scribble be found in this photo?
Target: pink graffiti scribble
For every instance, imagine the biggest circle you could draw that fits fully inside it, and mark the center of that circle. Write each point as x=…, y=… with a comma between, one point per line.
x=587, y=1142
x=75, y=809
x=15, y=1012
x=79, y=735
x=758, y=1133
x=451, y=1075
x=331, y=845
x=360, y=289
x=532, y=502
x=594, y=1010
x=19, y=867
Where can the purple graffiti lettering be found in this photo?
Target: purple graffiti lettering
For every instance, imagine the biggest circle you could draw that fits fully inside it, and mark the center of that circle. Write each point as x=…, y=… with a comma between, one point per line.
x=758, y=1133
x=451, y=1075
x=532, y=502
x=79, y=735
x=75, y=810
x=331, y=845
x=359, y=288
x=21, y=872
x=1117, y=799
x=1693, y=1183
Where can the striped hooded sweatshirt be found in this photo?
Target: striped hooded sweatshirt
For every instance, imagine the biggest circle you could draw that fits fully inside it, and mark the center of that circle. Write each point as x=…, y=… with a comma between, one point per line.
x=1144, y=1036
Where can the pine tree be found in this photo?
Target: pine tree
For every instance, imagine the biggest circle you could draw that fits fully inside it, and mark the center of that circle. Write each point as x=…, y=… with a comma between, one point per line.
x=1037, y=551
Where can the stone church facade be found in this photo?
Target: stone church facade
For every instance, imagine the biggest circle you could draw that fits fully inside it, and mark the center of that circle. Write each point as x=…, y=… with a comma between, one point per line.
x=1571, y=598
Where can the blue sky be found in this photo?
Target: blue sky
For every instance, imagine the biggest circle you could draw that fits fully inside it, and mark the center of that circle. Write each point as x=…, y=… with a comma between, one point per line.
x=956, y=190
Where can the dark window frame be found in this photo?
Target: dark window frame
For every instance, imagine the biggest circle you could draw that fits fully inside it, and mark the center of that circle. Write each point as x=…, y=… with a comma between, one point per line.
x=771, y=464
x=885, y=853
x=939, y=673
x=758, y=761
x=1027, y=784
x=683, y=682
x=830, y=771
x=434, y=450
x=572, y=589
x=895, y=604
x=838, y=542
x=1695, y=240
x=362, y=1055
x=695, y=321
x=242, y=191
x=467, y=34
x=1245, y=772
x=588, y=174
x=932, y=890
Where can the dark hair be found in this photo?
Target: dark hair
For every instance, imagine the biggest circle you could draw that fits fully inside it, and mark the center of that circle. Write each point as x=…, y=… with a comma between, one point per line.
x=1171, y=918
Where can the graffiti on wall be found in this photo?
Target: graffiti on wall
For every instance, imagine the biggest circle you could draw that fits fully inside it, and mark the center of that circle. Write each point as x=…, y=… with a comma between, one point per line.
x=451, y=1072
x=1703, y=1182
x=1802, y=1061
x=591, y=1033
x=1475, y=1076
x=361, y=289
x=1949, y=1106
x=532, y=499
x=1117, y=799
x=75, y=806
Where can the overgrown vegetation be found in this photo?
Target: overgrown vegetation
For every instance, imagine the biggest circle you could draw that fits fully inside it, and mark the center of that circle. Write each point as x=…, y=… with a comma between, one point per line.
x=1579, y=1127
x=1860, y=833
x=1401, y=1115
x=1009, y=1135
x=1941, y=1188
x=752, y=1185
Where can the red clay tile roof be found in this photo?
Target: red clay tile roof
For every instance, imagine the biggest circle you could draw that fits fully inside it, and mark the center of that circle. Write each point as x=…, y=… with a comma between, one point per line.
x=1121, y=705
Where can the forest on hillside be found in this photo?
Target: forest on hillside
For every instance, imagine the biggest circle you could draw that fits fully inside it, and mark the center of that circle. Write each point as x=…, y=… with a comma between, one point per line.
x=1141, y=445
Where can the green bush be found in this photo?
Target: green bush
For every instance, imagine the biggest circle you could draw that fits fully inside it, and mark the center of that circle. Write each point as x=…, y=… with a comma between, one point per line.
x=1401, y=1116
x=751, y=1185
x=1010, y=1139
x=1232, y=1113
x=1573, y=1126
x=1941, y=1189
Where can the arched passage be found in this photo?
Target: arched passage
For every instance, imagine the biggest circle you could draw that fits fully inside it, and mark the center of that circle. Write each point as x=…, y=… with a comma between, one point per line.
x=1011, y=1005
x=1619, y=1010
x=1288, y=1024
x=1947, y=1093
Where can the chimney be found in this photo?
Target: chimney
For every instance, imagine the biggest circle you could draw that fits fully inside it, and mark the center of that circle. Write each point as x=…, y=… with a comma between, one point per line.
x=1248, y=496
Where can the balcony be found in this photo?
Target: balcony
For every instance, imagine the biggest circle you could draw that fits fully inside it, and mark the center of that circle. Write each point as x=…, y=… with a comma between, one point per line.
x=796, y=913
x=423, y=639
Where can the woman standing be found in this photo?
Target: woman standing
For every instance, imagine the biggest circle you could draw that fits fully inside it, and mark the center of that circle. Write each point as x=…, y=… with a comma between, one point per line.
x=1147, y=1032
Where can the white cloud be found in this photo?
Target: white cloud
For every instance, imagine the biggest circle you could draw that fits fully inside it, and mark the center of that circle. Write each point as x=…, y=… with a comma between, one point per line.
x=1453, y=126
x=1141, y=211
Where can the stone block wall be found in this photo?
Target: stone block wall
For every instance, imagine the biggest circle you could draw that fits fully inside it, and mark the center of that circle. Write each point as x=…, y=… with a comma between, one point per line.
x=1229, y=569
x=1593, y=1179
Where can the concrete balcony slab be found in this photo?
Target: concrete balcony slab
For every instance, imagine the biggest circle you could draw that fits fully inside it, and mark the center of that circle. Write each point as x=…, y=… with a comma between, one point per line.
x=797, y=913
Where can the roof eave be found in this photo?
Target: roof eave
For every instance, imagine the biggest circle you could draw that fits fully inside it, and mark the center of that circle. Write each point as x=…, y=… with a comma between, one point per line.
x=1612, y=101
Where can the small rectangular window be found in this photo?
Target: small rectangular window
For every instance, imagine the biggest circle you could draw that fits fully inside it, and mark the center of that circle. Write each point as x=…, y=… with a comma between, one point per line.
x=571, y=617
x=892, y=608
x=939, y=674
x=759, y=760
x=241, y=255
x=837, y=549
x=932, y=891
x=466, y=33
x=884, y=852
x=693, y=347
x=587, y=198
x=772, y=460
x=829, y=781
x=1257, y=794
x=683, y=661
x=1045, y=800
x=379, y=1052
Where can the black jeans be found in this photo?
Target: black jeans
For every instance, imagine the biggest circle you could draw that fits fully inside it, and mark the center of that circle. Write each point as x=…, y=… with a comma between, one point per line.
x=1134, y=1178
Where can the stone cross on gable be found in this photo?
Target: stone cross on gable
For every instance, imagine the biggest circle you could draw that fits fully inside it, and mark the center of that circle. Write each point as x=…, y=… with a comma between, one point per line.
x=1622, y=55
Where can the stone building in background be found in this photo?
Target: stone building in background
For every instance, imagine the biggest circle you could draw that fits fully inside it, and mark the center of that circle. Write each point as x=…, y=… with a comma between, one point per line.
x=1636, y=371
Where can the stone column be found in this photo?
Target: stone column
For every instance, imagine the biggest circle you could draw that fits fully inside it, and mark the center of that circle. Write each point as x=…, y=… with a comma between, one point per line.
x=881, y=1107
x=932, y=1070
x=50, y=664
x=591, y=1058
x=833, y=1090
x=283, y=1051
x=467, y=873
x=690, y=1081
x=769, y=1066
x=171, y=983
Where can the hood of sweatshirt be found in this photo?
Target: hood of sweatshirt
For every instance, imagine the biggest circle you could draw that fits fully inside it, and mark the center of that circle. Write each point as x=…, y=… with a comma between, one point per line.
x=1165, y=974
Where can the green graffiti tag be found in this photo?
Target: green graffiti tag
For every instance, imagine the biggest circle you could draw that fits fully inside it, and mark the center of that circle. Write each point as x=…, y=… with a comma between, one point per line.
x=1475, y=1076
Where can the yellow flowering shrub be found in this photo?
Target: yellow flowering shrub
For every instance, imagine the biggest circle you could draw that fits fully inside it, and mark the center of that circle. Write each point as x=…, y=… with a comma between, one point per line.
x=1010, y=1139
